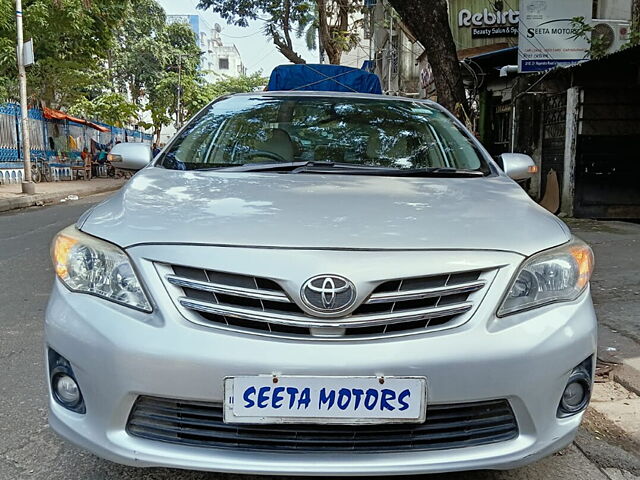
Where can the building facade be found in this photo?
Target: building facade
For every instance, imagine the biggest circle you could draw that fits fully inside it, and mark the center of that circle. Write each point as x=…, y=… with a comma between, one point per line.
x=578, y=123
x=217, y=59
x=387, y=48
x=575, y=122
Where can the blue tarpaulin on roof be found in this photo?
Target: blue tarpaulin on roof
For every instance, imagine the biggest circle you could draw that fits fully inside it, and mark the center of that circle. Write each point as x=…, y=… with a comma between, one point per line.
x=331, y=78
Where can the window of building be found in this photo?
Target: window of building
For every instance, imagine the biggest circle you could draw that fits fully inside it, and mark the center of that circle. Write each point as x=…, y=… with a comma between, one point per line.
x=223, y=63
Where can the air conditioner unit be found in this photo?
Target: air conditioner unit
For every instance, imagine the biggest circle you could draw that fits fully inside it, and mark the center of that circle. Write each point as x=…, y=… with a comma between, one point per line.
x=613, y=33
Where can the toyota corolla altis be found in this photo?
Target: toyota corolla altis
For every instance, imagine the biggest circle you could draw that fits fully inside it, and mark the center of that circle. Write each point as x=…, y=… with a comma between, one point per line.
x=320, y=284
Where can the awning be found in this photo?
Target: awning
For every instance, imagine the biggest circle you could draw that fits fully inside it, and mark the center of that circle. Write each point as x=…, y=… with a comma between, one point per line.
x=485, y=50
x=51, y=114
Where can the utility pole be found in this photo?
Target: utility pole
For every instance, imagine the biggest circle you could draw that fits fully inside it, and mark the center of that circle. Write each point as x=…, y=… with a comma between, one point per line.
x=178, y=125
x=28, y=186
x=390, y=51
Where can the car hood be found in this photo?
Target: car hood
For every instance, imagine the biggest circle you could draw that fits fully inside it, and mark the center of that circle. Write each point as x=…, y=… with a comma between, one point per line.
x=324, y=211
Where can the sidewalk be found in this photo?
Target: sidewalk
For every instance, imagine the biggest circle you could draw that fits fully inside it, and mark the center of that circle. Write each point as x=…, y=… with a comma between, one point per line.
x=615, y=408
x=52, y=192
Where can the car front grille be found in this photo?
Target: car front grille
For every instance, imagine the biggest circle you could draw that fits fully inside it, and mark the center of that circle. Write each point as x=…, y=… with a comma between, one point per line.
x=200, y=424
x=259, y=304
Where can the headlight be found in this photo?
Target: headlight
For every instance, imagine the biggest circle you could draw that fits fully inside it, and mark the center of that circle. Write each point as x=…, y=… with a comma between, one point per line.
x=556, y=275
x=86, y=264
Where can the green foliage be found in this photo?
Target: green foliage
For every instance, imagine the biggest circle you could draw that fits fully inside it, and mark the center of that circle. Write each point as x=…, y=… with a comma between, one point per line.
x=135, y=62
x=282, y=18
x=634, y=39
x=598, y=47
x=93, y=56
x=303, y=18
x=196, y=94
x=240, y=12
x=581, y=29
x=111, y=108
x=71, y=40
x=176, y=70
x=200, y=97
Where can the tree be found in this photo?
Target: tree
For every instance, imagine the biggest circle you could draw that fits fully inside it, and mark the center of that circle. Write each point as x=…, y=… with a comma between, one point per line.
x=281, y=18
x=71, y=40
x=338, y=33
x=107, y=59
x=429, y=22
x=152, y=60
x=226, y=85
x=111, y=108
x=196, y=94
x=330, y=18
x=137, y=59
x=177, y=71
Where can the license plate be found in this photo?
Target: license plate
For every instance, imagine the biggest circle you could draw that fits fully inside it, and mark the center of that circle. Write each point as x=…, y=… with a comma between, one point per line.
x=338, y=400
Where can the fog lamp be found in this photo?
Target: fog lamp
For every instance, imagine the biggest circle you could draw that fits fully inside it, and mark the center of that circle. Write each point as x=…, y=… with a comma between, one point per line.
x=574, y=396
x=577, y=392
x=64, y=386
x=66, y=389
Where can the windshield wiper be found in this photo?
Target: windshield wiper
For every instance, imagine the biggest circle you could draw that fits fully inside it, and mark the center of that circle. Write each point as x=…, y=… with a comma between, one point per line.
x=442, y=172
x=328, y=167
x=263, y=166
x=295, y=167
x=392, y=172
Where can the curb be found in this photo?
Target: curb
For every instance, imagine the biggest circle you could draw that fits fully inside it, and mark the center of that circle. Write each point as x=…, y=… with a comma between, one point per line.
x=44, y=198
x=628, y=377
x=622, y=352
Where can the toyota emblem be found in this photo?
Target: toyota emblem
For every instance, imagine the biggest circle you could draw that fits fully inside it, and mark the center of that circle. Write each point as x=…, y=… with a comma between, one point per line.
x=328, y=294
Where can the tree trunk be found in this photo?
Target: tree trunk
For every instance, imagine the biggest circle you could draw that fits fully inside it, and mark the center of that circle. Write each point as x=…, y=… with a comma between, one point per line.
x=429, y=22
x=325, y=35
x=326, y=31
x=287, y=51
x=285, y=46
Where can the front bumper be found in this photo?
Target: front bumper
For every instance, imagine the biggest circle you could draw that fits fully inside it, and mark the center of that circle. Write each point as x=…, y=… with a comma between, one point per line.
x=118, y=354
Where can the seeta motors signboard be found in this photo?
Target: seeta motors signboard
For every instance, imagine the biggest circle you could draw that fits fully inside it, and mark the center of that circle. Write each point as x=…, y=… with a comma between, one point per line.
x=546, y=34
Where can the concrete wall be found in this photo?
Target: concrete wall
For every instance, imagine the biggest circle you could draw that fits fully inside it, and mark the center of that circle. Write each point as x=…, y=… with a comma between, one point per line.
x=614, y=9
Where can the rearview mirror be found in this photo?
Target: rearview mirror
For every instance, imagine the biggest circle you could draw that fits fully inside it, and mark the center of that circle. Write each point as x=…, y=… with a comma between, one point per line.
x=130, y=156
x=518, y=166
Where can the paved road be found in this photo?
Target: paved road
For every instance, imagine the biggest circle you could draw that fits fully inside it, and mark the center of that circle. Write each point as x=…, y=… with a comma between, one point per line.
x=28, y=449
x=616, y=283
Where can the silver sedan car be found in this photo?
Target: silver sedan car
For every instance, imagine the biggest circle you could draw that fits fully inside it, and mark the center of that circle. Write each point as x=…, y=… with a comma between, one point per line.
x=320, y=284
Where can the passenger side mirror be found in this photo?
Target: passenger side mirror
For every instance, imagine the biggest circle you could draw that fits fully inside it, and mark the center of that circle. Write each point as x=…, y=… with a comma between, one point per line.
x=130, y=156
x=517, y=166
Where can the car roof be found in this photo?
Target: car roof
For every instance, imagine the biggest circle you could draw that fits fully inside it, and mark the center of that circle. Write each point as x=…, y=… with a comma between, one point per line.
x=328, y=94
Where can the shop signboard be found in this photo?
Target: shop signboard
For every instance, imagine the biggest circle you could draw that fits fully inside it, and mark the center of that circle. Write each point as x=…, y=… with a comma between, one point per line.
x=547, y=34
x=489, y=23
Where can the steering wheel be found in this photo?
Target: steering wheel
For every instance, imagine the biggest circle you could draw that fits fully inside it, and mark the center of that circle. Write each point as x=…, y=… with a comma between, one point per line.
x=265, y=153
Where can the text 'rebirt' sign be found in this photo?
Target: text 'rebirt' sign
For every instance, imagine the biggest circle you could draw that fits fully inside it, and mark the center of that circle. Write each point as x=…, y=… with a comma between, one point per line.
x=489, y=24
x=546, y=34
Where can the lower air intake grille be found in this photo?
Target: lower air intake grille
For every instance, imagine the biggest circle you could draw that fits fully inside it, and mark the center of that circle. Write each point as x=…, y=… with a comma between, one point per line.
x=200, y=424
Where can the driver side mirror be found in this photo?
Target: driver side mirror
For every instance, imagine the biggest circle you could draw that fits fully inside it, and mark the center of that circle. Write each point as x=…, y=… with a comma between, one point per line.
x=130, y=156
x=517, y=166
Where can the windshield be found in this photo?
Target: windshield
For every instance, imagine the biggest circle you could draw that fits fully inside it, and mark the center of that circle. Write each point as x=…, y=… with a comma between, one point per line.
x=263, y=129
